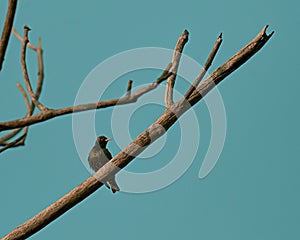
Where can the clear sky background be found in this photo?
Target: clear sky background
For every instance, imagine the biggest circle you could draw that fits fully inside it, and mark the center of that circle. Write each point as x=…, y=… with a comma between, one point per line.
x=252, y=193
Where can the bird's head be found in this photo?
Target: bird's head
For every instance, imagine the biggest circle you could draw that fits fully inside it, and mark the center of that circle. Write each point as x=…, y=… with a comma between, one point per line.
x=102, y=141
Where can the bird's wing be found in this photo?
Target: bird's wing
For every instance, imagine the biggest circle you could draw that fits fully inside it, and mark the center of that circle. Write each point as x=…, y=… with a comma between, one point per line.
x=98, y=157
x=107, y=154
x=94, y=159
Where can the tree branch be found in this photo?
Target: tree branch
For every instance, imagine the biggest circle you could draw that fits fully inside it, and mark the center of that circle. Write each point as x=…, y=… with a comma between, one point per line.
x=231, y=65
x=8, y=23
x=175, y=63
x=52, y=113
x=20, y=140
x=18, y=36
x=30, y=107
x=25, y=72
x=40, y=61
x=156, y=130
x=205, y=67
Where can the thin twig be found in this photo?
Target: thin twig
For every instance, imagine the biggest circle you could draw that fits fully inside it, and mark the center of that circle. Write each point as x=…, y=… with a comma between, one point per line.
x=129, y=87
x=30, y=107
x=40, y=69
x=10, y=135
x=21, y=140
x=166, y=73
x=175, y=63
x=230, y=65
x=26, y=100
x=40, y=61
x=7, y=26
x=156, y=130
x=25, y=72
x=15, y=142
x=52, y=113
x=18, y=36
x=205, y=67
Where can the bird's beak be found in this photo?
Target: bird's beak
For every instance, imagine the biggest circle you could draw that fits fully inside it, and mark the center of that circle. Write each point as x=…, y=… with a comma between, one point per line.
x=108, y=139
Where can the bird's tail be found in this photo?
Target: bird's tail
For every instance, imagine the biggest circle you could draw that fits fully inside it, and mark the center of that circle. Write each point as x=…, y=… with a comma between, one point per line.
x=113, y=185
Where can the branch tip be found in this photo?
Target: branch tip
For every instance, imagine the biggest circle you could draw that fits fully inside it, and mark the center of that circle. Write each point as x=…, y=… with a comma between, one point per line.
x=129, y=87
x=182, y=40
x=264, y=34
x=27, y=28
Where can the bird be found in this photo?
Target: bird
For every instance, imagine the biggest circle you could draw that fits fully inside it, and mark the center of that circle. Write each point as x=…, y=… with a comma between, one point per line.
x=99, y=156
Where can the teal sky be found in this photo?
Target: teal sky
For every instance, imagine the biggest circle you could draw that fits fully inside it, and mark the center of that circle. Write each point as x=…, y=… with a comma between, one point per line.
x=252, y=193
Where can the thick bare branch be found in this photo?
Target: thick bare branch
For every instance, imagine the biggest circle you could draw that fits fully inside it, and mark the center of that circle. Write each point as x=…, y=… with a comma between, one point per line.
x=52, y=113
x=205, y=67
x=175, y=63
x=156, y=130
x=8, y=23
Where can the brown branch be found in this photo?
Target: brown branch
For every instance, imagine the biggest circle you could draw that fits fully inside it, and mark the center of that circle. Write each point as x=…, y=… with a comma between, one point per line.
x=52, y=113
x=40, y=61
x=205, y=67
x=8, y=23
x=20, y=140
x=40, y=69
x=10, y=135
x=156, y=130
x=175, y=63
x=129, y=87
x=18, y=36
x=26, y=100
x=166, y=73
x=230, y=65
x=25, y=72
x=30, y=107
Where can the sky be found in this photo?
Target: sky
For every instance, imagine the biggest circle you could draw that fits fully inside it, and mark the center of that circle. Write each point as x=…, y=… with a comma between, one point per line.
x=251, y=193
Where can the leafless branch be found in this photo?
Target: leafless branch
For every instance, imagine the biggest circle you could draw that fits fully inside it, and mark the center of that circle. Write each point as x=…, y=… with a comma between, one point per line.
x=231, y=65
x=18, y=36
x=20, y=140
x=10, y=135
x=52, y=113
x=40, y=61
x=205, y=67
x=8, y=23
x=156, y=130
x=175, y=63
x=25, y=72
x=40, y=69
x=129, y=87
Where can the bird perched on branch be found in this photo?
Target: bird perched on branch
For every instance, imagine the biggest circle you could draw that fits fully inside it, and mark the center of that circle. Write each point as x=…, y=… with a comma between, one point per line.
x=99, y=156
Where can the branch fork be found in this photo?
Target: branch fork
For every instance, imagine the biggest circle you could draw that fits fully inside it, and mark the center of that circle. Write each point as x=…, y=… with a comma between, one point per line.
x=20, y=141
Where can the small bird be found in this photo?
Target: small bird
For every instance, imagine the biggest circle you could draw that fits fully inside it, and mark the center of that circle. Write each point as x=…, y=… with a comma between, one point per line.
x=99, y=156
